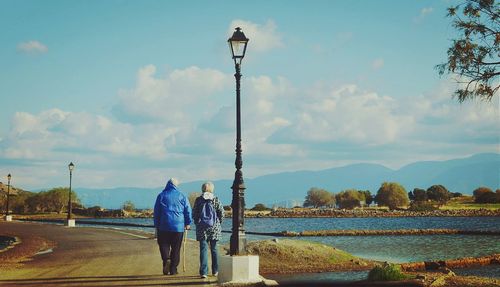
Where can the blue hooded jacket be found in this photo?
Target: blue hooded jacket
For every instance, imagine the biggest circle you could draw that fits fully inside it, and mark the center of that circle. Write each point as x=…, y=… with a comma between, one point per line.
x=172, y=210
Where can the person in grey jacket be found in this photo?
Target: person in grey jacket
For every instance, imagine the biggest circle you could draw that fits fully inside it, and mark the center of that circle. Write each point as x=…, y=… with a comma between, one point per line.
x=208, y=235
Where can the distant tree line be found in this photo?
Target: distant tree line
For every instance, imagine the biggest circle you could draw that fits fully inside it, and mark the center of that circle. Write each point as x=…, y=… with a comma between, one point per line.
x=393, y=195
x=389, y=194
x=53, y=200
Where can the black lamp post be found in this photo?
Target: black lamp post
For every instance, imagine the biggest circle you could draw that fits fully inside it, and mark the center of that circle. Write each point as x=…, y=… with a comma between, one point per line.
x=71, y=166
x=238, y=44
x=8, y=193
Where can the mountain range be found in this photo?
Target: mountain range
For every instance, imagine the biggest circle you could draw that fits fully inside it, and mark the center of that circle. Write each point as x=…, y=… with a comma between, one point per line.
x=289, y=188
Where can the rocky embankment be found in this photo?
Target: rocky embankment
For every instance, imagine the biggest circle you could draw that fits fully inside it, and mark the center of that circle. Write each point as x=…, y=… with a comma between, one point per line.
x=368, y=232
x=304, y=212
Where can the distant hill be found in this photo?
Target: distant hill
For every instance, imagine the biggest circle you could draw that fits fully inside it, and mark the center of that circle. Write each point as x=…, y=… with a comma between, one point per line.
x=458, y=175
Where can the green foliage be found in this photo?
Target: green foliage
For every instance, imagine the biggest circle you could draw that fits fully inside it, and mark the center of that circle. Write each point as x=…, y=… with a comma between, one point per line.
x=386, y=272
x=474, y=56
x=486, y=195
x=318, y=197
x=260, y=207
x=480, y=191
x=368, y=196
x=438, y=193
x=392, y=195
x=349, y=198
x=53, y=200
x=422, y=206
x=418, y=194
x=128, y=206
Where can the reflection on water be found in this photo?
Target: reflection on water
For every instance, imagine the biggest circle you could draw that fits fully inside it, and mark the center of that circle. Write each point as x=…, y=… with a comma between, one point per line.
x=319, y=277
x=486, y=271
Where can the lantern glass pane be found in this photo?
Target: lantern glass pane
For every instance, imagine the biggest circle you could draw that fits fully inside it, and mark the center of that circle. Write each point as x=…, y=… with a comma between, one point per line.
x=238, y=48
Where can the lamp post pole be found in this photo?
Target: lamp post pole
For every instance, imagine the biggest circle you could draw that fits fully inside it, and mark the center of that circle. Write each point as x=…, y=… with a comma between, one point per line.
x=71, y=166
x=8, y=193
x=238, y=43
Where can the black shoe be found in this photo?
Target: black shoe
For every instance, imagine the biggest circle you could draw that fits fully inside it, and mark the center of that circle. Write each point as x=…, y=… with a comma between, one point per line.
x=173, y=272
x=166, y=267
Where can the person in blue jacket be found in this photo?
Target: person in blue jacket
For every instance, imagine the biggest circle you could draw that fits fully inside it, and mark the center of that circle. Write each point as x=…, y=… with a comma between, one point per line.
x=172, y=215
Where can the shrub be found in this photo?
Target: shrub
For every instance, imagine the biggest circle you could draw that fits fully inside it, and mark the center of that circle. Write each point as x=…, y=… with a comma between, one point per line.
x=128, y=206
x=386, y=272
x=418, y=194
x=422, y=206
x=349, y=198
x=438, y=193
x=392, y=195
x=260, y=207
x=486, y=195
x=318, y=197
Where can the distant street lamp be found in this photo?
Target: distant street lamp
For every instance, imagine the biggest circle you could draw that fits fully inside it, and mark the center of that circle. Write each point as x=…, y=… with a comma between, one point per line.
x=238, y=44
x=71, y=166
x=8, y=194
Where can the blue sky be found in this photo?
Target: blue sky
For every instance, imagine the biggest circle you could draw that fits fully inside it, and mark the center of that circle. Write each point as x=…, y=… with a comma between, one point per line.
x=134, y=92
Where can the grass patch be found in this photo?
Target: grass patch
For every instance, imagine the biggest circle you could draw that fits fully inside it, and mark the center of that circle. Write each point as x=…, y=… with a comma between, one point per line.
x=290, y=256
x=467, y=202
x=387, y=272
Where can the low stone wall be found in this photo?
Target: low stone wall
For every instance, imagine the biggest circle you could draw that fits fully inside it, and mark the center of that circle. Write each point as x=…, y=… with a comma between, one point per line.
x=286, y=213
x=452, y=263
x=369, y=232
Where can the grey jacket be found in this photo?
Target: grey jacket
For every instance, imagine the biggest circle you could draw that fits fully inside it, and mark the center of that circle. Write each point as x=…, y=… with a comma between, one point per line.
x=210, y=232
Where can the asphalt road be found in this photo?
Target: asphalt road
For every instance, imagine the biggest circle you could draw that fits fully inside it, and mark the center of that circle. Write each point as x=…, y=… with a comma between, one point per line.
x=86, y=256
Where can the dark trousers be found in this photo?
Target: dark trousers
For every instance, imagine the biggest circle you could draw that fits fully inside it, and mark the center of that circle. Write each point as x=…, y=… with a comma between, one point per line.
x=170, y=248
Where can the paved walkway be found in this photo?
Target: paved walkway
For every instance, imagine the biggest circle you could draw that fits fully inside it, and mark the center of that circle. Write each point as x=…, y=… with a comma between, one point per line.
x=86, y=256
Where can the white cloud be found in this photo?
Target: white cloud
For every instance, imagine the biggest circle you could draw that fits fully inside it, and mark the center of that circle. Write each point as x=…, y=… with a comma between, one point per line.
x=424, y=12
x=53, y=132
x=32, y=47
x=262, y=37
x=177, y=99
x=377, y=63
x=346, y=115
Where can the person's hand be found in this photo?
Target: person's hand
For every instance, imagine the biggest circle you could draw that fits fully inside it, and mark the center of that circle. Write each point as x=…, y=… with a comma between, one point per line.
x=188, y=227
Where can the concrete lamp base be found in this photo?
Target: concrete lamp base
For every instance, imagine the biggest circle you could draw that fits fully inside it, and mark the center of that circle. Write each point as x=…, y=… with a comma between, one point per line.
x=70, y=223
x=8, y=217
x=239, y=270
